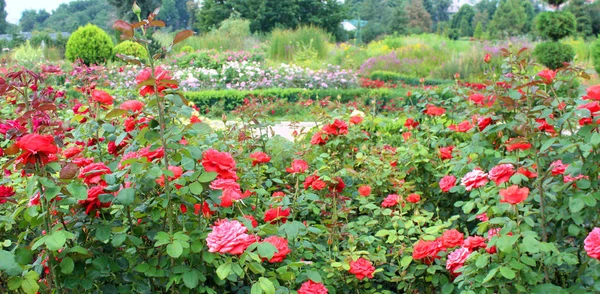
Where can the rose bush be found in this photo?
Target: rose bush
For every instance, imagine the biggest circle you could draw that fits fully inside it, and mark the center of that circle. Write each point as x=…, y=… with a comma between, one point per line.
x=111, y=194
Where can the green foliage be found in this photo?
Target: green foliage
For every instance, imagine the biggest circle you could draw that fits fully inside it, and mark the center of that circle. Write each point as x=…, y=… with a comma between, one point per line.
x=478, y=34
x=130, y=48
x=389, y=76
x=419, y=20
x=232, y=34
x=123, y=8
x=231, y=99
x=31, y=19
x=67, y=17
x=510, y=18
x=285, y=44
x=3, y=24
x=463, y=20
x=28, y=55
x=553, y=54
x=186, y=49
x=91, y=44
x=175, y=13
x=596, y=55
x=555, y=25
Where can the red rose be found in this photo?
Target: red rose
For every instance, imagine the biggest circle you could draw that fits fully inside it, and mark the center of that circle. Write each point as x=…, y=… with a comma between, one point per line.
x=432, y=110
x=102, y=97
x=501, y=173
x=462, y=127
x=298, y=166
x=259, y=157
x=592, y=244
x=426, y=250
x=517, y=144
x=477, y=99
x=276, y=214
x=411, y=123
x=447, y=183
x=92, y=202
x=558, y=167
x=314, y=182
x=526, y=172
x=36, y=148
x=229, y=236
x=362, y=268
x=474, y=242
x=282, y=248
x=593, y=93
x=446, y=152
x=483, y=122
x=132, y=105
x=391, y=200
x=547, y=75
x=252, y=220
x=220, y=162
x=452, y=238
x=413, y=198
x=160, y=75
x=319, y=138
x=91, y=174
x=231, y=191
x=72, y=151
x=364, y=191
x=310, y=287
x=514, y=194
x=5, y=193
x=177, y=172
x=487, y=58
x=355, y=120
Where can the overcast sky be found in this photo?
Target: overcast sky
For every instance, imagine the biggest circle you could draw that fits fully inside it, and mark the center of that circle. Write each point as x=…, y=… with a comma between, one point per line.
x=15, y=7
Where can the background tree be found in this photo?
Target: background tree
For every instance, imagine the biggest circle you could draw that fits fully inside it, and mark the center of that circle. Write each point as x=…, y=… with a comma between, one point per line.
x=419, y=20
x=68, y=17
x=123, y=8
x=510, y=18
x=3, y=24
x=463, y=20
x=438, y=10
x=28, y=20
x=595, y=17
x=582, y=13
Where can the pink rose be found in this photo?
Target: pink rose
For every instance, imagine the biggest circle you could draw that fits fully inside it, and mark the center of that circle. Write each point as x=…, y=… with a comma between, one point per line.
x=457, y=259
x=501, y=173
x=592, y=243
x=229, y=236
x=447, y=183
x=475, y=179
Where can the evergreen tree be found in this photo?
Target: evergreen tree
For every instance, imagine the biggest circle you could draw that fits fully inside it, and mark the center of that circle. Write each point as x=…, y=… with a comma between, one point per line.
x=510, y=18
x=478, y=34
x=3, y=24
x=169, y=13
x=463, y=20
x=582, y=13
x=419, y=20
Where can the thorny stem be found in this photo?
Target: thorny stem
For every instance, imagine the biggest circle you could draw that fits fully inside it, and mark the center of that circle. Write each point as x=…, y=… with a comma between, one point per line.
x=45, y=206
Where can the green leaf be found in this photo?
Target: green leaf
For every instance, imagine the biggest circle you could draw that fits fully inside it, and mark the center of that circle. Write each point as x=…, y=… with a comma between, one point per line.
x=490, y=275
x=174, y=249
x=576, y=204
x=29, y=283
x=447, y=288
x=206, y=177
x=266, y=250
x=190, y=279
x=224, y=270
x=115, y=113
x=77, y=190
x=108, y=128
x=256, y=289
x=56, y=240
x=196, y=188
x=266, y=285
x=8, y=264
x=405, y=261
x=316, y=277
x=126, y=196
x=548, y=289
x=67, y=265
x=507, y=272
x=103, y=233
x=14, y=283
x=482, y=261
x=118, y=240
x=595, y=140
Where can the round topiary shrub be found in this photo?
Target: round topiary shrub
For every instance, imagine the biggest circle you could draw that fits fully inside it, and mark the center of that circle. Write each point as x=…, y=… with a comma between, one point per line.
x=186, y=49
x=130, y=48
x=556, y=25
x=553, y=54
x=596, y=55
x=91, y=44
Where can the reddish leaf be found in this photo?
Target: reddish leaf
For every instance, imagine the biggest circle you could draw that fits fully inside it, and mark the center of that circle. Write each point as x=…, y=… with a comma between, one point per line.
x=47, y=107
x=153, y=14
x=124, y=27
x=182, y=36
x=128, y=59
x=139, y=24
x=157, y=23
x=148, y=82
x=12, y=150
x=115, y=113
x=69, y=171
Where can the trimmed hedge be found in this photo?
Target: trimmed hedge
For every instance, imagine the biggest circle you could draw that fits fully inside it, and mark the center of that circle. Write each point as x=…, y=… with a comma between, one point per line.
x=234, y=98
x=388, y=76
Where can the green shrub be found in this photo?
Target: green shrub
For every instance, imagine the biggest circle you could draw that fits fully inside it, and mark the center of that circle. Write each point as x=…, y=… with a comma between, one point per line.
x=553, y=54
x=91, y=44
x=555, y=25
x=284, y=44
x=596, y=55
x=130, y=48
x=28, y=55
x=186, y=49
x=389, y=76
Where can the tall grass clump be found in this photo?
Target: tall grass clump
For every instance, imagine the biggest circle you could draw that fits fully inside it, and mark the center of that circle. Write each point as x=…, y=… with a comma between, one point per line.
x=286, y=44
x=28, y=55
x=232, y=35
